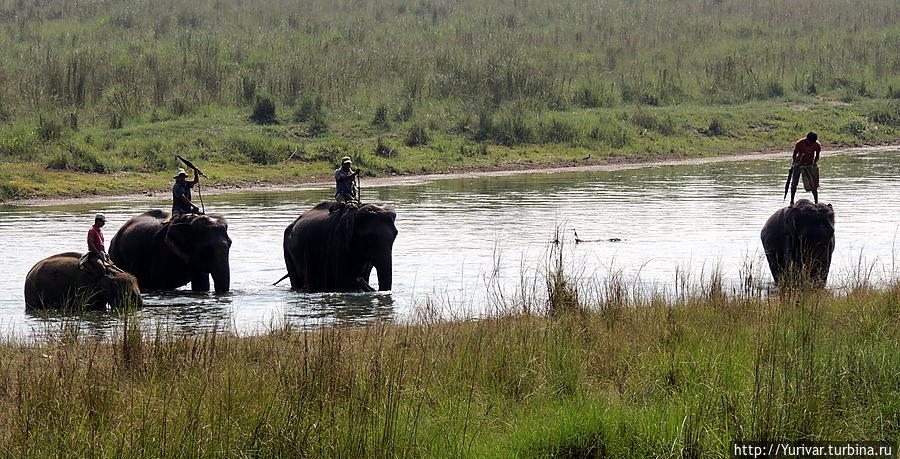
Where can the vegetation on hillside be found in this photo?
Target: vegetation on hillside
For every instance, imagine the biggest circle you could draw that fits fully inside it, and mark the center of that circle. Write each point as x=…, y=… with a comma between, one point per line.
x=108, y=86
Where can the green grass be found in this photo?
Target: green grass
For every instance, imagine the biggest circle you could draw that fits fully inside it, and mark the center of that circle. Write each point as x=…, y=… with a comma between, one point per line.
x=578, y=377
x=116, y=87
x=231, y=149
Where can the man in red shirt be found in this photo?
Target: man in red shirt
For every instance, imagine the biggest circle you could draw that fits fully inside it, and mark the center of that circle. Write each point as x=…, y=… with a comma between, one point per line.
x=805, y=164
x=96, y=255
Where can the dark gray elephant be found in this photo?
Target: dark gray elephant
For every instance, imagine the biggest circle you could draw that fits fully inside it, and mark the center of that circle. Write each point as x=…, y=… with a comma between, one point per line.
x=165, y=255
x=57, y=282
x=333, y=248
x=799, y=241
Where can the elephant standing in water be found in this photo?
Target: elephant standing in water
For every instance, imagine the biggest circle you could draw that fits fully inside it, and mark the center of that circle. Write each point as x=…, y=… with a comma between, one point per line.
x=165, y=253
x=799, y=240
x=58, y=282
x=333, y=247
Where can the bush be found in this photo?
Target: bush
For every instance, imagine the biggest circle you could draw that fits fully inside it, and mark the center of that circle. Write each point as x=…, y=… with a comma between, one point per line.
x=716, y=128
x=259, y=150
x=77, y=158
x=309, y=109
x=154, y=158
x=383, y=150
x=48, y=129
x=17, y=146
x=8, y=190
x=264, y=110
x=558, y=131
x=417, y=135
x=380, y=120
x=886, y=114
x=611, y=133
x=180, y=107
x=856, y=127
x=406, y=112
x=511, y=128
x=317, y=127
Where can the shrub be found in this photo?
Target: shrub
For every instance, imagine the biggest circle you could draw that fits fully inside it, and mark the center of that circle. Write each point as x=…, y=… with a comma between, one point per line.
x=48, y=129
x=259, y=150
x=611, y=133
x=856, y=127
x=406, y=112
x=383, y=150
x=77, y=158
x=263, y=110
x=417, y=135
x=8, y=190
x=716, y=128
x=17, y=146
x=154, y=159
x=308, y=109
x=476, y=150
x=180, y=107
x=380, y=120
x=511, y=128
x=886, y=114
x=317, y=127
x=558, y=131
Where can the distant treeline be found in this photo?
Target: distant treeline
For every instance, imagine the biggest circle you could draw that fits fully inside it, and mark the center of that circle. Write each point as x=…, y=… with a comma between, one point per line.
x=108, y=60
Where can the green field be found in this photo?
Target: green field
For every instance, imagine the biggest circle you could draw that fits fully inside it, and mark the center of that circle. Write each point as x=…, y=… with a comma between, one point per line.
x=582, y=375
x=96, y=96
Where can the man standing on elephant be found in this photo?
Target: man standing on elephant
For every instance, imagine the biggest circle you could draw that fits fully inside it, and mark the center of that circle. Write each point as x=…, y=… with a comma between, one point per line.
x=805, y=164
x=346, y=182
x=181, y=194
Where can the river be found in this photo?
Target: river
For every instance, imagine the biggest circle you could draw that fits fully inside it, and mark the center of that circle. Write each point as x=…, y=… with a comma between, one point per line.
x=463, y=243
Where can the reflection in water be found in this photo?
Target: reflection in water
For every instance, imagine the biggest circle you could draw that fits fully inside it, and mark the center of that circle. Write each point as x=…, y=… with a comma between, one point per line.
x=467, y=242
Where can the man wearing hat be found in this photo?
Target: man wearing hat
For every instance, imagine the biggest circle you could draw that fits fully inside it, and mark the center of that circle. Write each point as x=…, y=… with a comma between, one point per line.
x=346, y=183
x=96, y=256
x=181, y=194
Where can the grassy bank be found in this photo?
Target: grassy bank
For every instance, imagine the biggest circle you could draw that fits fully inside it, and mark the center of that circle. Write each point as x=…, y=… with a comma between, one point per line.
x=234, y=150
x=277, y=91
x=573, y=378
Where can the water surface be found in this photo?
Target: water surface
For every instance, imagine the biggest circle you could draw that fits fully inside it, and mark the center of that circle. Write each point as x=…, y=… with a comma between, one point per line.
x=463, y=238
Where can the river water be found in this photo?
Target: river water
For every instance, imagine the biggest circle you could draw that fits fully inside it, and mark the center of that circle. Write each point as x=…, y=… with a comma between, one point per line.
x=464, y=243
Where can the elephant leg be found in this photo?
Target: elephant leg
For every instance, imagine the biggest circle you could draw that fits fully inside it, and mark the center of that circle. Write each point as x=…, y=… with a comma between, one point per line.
x=200, y=282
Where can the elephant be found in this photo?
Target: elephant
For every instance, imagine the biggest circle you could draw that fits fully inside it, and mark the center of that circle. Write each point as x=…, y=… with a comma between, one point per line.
x=166, y=253
x=799, y=239
x=57, y=282
x=333, y=247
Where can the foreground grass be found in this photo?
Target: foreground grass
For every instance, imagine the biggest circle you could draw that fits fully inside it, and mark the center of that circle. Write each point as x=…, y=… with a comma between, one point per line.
x=232, y=150
x=661, y=378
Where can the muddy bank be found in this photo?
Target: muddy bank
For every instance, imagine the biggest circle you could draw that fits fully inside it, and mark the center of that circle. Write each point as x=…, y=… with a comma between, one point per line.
x=501, y=171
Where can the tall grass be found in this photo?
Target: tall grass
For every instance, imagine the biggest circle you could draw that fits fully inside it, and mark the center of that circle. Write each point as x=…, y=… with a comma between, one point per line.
x=127, y=57
x=582, y=375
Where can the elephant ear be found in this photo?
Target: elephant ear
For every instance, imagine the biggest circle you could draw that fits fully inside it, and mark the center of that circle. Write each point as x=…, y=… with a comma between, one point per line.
x=344, y=229
x=178, y=239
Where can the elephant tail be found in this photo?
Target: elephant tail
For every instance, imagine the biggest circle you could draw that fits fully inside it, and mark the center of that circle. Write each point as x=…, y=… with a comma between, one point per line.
x=282, y=278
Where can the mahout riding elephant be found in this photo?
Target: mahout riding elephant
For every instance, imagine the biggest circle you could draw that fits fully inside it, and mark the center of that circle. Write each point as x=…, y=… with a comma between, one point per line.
x=799, y=241
x=165, y=253
x=57, y=282
x=333, y=247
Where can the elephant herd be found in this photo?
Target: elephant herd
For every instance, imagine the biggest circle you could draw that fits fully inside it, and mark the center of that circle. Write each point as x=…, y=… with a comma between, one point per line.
x=331, y=248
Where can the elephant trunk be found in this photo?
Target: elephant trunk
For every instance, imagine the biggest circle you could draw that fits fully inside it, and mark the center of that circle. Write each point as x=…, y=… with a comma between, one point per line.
x=385, y=274
x=221, y=276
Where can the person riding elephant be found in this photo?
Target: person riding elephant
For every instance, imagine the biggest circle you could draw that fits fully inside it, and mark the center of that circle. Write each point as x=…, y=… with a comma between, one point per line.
x=798, y=241
x=333, y=247
x=58, y=282
x=165, y=252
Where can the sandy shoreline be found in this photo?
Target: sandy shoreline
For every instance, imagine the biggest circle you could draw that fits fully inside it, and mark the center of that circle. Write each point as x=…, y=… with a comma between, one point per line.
x=424, y=178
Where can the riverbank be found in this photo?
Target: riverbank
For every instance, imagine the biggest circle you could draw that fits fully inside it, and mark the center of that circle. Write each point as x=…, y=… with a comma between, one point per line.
x=614, y=378
x=136, y=161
